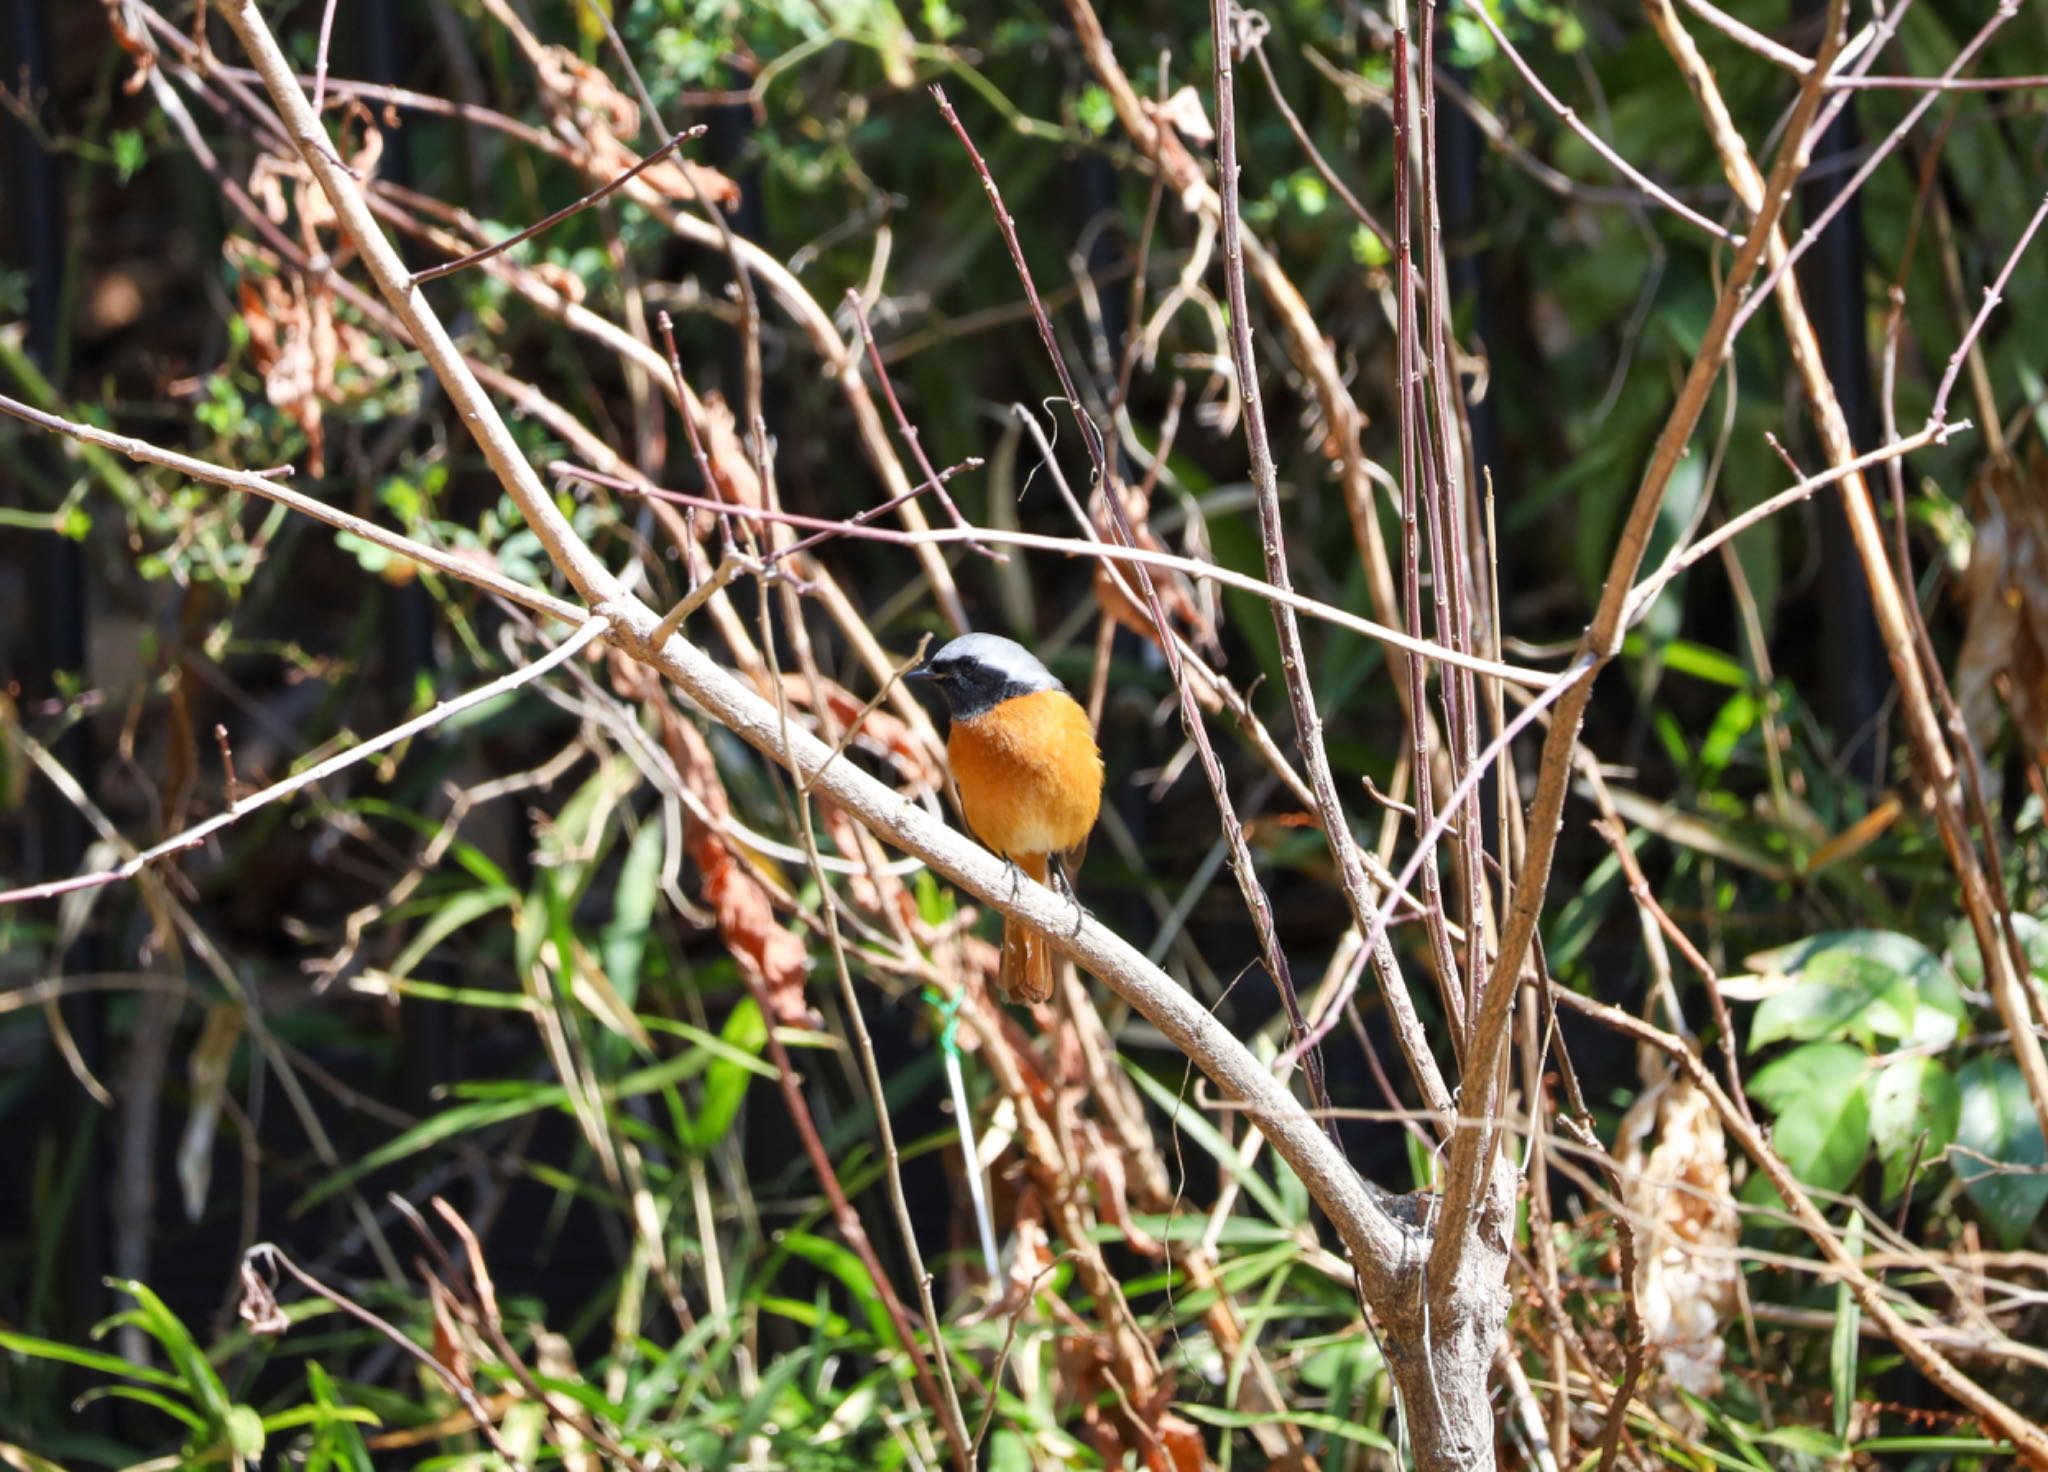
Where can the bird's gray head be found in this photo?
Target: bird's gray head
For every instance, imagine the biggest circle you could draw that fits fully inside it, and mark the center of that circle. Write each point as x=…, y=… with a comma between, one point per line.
x=977, y=672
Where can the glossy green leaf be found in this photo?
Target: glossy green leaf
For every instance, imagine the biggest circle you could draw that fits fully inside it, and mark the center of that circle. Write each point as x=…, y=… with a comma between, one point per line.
x=1861, y=984
x=1997, y=1122
x=1969, y=960
x=1823, y=1114
x=725, y=1082
x=1914, y=1105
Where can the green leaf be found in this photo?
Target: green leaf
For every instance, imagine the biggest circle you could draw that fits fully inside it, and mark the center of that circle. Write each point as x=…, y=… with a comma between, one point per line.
x=1842, y=1344
x=1738, y=1438
x=1308, y=1420
x=633, y=902
x=1969, y=961
x=458, y=911
x=1806, y=1440
x=762, y=1404
x=467, y=854
x=1190, y=1121
x=443, y=1126
x=1997, y=1121
x=143, y=1395
x=1823, y=1115
x=245, y=1431
x=725, y=1082
x=298, y=1416
x=844, y=1263
x=154, y=1317
x=1913, y=1103
x=1740, y=714
x=85, y=1359
x=1968, y=1445
x=1684, y=657
x=1864, y=984
x=336, y=1441
x=129, y=152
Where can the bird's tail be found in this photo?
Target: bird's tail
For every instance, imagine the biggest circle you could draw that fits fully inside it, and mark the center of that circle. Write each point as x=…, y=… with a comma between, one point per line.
x=1026, y=976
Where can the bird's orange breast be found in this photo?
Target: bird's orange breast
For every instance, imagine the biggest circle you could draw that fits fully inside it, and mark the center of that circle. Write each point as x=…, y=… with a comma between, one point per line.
x=1029, y=773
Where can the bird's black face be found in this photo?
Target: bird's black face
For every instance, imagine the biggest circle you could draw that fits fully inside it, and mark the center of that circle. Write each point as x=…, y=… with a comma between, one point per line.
x=977, y=672
x=969, y=687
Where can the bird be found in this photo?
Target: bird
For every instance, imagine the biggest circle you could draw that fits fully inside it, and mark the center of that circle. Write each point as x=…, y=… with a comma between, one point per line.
x=1029, y=773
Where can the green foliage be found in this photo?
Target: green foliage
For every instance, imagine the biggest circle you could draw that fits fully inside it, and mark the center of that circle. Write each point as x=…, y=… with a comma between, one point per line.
x=611, y=1051
x=1877, y=1015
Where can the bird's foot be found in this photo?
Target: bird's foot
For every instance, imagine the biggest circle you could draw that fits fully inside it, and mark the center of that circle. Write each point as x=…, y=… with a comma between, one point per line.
x=1063, y=883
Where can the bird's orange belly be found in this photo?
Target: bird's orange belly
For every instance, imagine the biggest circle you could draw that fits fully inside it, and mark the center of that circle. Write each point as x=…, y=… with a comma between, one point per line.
x=1029, y=773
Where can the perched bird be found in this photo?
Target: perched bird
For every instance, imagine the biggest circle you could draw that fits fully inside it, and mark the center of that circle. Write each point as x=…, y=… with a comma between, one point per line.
x=1029, y=773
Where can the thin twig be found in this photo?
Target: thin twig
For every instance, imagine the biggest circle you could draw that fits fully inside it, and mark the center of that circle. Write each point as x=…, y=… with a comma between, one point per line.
x=904, y=427
x=1993, y=295
x=198, y=833
x=1513, y=674
x=1224, y=29
x=1644, y=594
x=462, y=568
x=1471, y=1149
x=262, y=1311
x=1767, y=287
x=1599, y=145
x=542, y=226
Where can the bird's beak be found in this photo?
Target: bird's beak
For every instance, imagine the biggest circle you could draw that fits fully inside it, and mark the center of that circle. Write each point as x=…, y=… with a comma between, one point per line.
x=922, y=672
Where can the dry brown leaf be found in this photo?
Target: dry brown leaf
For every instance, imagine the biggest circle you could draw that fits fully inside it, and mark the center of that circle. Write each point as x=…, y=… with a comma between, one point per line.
x=139, y=50
x=1180, y=1446
x=293, y=346
x=1673, y=1158
x=880, y=731
x=450, y=1352
x=1030, y=1255
x=208, y=1069
x=588, y=91
x=2004, y=658
x=1184, y=114
x=1178, y=596
x=732, y=470
x=745, y=912
x=1112, y=1191
x=860, y=884
x=562, y=281
x=605, y=118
